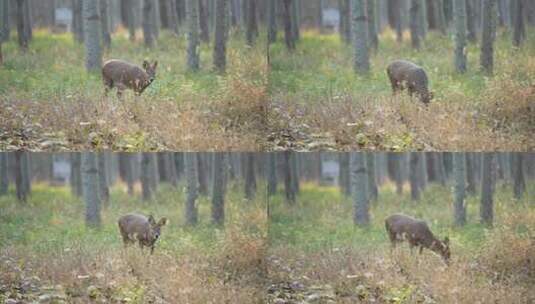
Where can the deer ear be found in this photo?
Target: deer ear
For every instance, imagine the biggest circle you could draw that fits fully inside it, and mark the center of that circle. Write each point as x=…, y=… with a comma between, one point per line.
x=146, y=64
x=151, y=220
x=163, y=221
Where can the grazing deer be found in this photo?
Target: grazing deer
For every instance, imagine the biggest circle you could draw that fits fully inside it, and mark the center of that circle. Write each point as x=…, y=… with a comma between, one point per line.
x=407, y=75
x=402, y=227
x=145, y=230
x=124, y=75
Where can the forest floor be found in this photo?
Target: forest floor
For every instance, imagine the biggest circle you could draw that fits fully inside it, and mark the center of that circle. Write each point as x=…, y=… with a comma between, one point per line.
x=49, y=102
x=308, y=100
x=48, y=255
x=318, y=102
x=317, y=254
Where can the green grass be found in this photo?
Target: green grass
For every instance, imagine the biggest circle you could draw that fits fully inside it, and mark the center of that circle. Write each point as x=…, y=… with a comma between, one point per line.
x=55, y=67
x=321, y=67
x=322, y=219
x=53, y=220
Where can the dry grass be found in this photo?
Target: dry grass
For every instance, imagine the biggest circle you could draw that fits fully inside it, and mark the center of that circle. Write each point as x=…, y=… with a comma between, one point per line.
x=502, y=271
x=503, y=119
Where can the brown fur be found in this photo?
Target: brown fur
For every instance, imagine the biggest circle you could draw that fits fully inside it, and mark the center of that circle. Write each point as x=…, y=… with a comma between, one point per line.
x=405, y=228
x=407, y=75
x=137, y=227
x=124, y=75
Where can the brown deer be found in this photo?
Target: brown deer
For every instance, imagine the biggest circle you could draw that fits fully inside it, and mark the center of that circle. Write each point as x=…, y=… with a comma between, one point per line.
x=401, y=227
x=407, y=75
x=137, y=227
x=124, y=75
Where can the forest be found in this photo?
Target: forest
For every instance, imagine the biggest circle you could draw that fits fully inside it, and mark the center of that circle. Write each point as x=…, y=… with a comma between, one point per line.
x=266, y=227
x=60, y=240
x=267, y=75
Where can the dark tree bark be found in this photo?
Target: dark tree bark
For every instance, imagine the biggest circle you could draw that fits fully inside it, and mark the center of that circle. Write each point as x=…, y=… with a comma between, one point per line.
x=22, y=31
x=517, y=172
x=287, y=19
x=218, y=189
x=272, y=174
x=287, y=173
x=203, y=22
x=201, y=174
x=250, y=176
x=252, y=23
x=414, y=173
x=488, y=182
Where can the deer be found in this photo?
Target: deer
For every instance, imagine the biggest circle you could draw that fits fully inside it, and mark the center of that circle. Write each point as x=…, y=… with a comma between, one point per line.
x=124, y=75
x=404, y=74
x=145, y=230
x=416, y=232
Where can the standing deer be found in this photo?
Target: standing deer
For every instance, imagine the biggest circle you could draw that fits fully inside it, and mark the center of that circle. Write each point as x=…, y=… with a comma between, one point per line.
x=124, y=75
x=401, y=228
x=137, y=227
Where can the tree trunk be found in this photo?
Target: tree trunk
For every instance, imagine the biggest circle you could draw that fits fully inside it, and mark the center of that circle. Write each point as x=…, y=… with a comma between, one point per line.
x=459, y=168
x=272, y=174
x=360, y=24
x=5, y=28
x=394, y=18
x=218, y=188
x=471, y=20
x=93, y=61
x=192, y=16
x=76, y=174
x=220, y=36
x=287, y=172
x=488, y=181
x=394, y=171
x=344, y=174
x=19, y=184
x=372, y=182
x=415, y=25
x=190, y=163
x=4, y=181
x=90, y=189
x=296, y=19
x=423, y=19
x=148, y=26
x=250, y=179
x=146, y=177
x=172, y=15
x=414, y=177
x=440, y=16
x=422, y=165
x=488, y=36
x=103, y=181
x=252, y=24
x=130, y=8
x=470, y=174
x=439, y=168
x=203, y=22
x=26, y=173
x=359, y=181
x=272, y=21
x=201, y=174
x=287, y=19
x=345, y=20
x=21, y=26
x=460, y=35
x=105, y=23
x=519, y=27
x=373, y=38
x=517, y=172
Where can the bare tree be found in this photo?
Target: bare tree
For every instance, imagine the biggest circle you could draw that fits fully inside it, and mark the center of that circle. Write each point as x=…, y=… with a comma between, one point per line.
x=90, y=189
x=459, y=168
x=192, y=16
x=190, y=163
x=361, y=59
x=218, y=188
x=488, y=36
x=220, y=36
x=487, y=188
x=91, y=17
x=359, y=181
